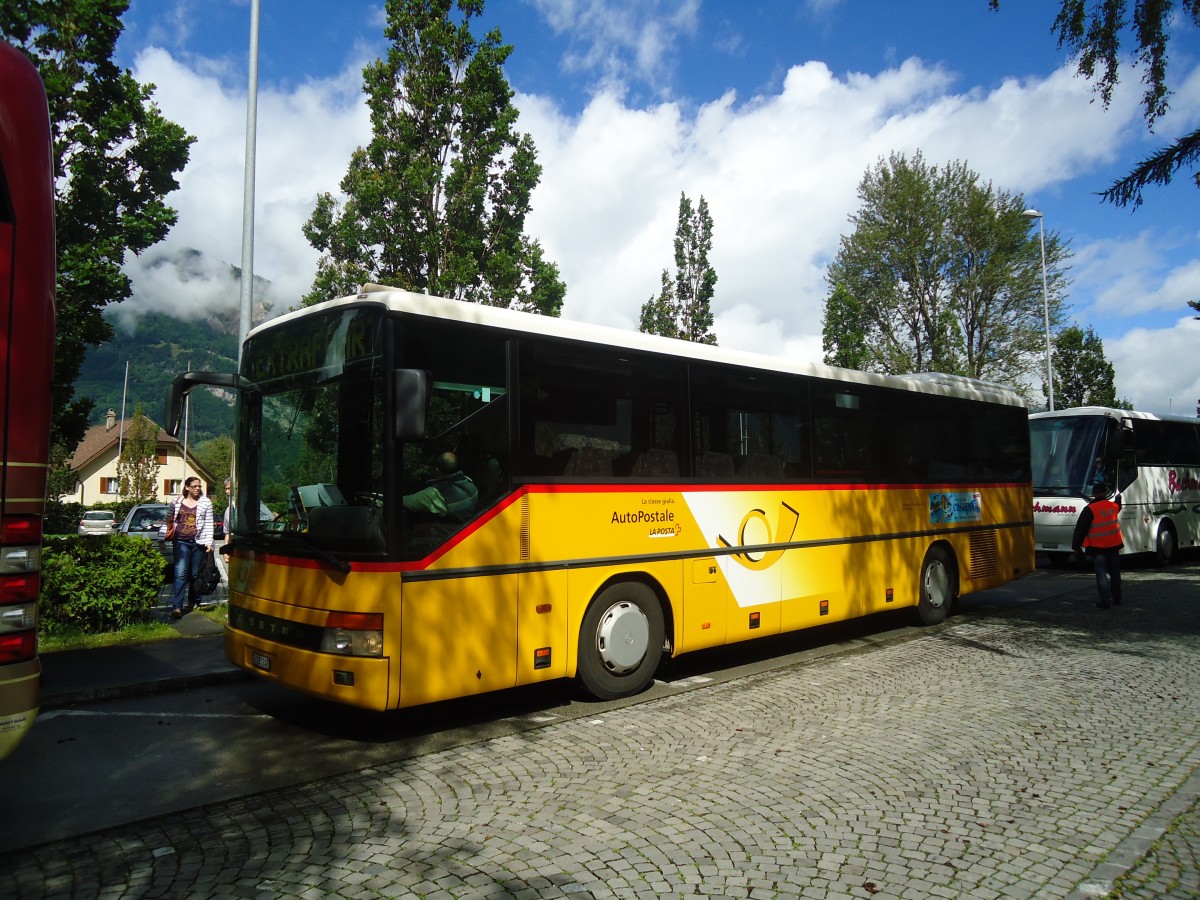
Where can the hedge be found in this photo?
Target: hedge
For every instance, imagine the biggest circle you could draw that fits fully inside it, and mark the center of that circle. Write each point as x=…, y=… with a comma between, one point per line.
x=99, y=583
x=63, y=517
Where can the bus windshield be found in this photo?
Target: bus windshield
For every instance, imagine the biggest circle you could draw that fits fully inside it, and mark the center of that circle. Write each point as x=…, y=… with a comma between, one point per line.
x=314, y=441
x=1065, y=453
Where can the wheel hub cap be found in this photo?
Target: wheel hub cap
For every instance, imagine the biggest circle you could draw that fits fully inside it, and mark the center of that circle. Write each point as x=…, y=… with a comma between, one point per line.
x=623, y=638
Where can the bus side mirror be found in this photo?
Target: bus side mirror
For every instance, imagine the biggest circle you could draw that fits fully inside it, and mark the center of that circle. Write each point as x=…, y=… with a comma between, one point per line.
x=1127, y=442
x=183, y=384
x=411, y=390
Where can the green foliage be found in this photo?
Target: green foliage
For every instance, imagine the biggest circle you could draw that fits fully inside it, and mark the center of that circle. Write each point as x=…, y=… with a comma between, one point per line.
x=844, y=331
x=683, y=309
x=1082, y=374
x=216, y=455
x=116, y=158
x=94, y=584
x=942, y=275
x=436, y=202
x=63, y=517
x=1093, y=35
x=158, y=348
x=137, y=468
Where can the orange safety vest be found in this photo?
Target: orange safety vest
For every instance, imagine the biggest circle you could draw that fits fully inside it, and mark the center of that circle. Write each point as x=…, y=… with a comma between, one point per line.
x=1105, y=532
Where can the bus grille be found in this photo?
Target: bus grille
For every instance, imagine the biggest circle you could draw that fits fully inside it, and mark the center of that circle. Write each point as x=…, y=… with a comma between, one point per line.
x=983, y=554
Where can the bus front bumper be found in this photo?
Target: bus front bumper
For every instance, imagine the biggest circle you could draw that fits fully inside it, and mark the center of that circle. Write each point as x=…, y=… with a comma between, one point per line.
x=353, y=680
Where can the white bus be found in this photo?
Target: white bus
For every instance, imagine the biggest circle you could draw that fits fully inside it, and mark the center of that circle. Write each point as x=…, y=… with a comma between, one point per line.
x=1154, y=461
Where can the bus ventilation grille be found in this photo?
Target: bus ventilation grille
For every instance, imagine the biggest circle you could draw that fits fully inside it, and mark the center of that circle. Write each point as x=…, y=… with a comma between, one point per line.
x=983, y=554
x=525, y=526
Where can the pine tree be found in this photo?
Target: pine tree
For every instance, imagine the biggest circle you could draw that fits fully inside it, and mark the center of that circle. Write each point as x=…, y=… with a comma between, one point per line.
x=137, y=467
x=683, y=308
x=437, y=201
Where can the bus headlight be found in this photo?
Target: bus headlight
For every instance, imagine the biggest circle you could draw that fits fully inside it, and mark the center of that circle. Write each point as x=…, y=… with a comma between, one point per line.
x=353, y=634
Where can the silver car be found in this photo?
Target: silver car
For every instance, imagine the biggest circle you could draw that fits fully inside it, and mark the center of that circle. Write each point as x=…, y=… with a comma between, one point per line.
x=97, y=521
x=149, y=521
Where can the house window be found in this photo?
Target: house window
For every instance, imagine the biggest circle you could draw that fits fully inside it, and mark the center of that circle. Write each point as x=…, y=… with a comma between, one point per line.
x=162, y=459
x=109, y=486
x=172, y=487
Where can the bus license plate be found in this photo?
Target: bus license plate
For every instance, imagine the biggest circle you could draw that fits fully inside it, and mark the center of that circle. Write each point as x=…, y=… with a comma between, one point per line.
x=260, y=661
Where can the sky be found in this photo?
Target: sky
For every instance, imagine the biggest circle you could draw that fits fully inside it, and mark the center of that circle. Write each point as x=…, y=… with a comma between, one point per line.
x=772, y=111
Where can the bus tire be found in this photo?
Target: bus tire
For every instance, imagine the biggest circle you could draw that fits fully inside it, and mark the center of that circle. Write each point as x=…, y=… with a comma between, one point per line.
x=938, y=587
x=1165, y=543
x=620, y=641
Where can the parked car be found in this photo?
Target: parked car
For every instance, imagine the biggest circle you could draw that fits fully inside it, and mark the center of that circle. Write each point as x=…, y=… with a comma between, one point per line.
x=97, y=521
x=148, y=520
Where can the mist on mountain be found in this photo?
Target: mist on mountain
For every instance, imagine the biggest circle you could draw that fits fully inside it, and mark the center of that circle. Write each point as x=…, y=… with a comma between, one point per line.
x=183, y=314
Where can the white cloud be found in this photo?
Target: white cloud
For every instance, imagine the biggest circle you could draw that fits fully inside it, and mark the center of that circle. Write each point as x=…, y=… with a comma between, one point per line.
x=619, y=42
x=304, y=140
x=1158, y=369
x=780, y=173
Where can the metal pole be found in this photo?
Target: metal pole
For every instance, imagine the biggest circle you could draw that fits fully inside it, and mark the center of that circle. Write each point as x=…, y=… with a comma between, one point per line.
x=121, y=433
x=248, y=187
x=1046, y=307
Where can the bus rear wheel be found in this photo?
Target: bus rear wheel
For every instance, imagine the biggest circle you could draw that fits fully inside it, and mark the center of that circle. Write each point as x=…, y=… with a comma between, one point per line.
x=620, y=641
x=938, y=587
x=1165, y=543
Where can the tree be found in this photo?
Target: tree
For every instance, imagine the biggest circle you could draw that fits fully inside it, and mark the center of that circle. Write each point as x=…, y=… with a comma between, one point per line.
x=844, y=330
x=137, y=466
x=1082, y=374
x=115, y=157
x=941, y=274
x=437, y=200
x=1094, y=38
x=216, y=455
x=683, y=309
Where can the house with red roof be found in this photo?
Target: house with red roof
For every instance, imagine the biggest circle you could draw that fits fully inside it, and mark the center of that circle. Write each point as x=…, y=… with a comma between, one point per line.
x=95, y=464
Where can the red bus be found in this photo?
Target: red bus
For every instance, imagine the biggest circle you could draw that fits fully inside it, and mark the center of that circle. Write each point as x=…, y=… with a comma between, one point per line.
x=27, y=277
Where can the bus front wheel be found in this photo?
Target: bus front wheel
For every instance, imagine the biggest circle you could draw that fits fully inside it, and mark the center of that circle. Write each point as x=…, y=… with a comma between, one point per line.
x=1164, y=543
x=939, y=587
x=620, y=641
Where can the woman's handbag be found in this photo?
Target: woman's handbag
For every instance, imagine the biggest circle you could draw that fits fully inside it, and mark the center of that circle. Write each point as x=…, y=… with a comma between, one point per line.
x=170, y=535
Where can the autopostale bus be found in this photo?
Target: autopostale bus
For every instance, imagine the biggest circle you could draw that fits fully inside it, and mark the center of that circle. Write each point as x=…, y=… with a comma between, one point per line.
x=634, y=498
x=1153, y=461
x=26, y=374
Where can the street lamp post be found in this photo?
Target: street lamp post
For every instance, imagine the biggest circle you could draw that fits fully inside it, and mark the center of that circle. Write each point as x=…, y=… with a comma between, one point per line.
x=1035, y=214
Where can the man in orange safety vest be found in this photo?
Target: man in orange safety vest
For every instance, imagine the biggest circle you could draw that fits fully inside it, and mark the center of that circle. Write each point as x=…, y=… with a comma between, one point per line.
x=1098, y=533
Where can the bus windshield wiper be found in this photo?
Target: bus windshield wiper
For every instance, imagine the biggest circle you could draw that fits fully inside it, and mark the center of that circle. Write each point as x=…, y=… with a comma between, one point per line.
x=334, y=563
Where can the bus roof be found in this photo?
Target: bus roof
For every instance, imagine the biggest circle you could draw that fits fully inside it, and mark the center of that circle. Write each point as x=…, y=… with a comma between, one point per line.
x=429, y=306
x=1110, y=413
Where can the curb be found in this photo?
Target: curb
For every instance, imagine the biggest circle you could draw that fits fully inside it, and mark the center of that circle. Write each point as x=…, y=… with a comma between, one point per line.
x=158, y=686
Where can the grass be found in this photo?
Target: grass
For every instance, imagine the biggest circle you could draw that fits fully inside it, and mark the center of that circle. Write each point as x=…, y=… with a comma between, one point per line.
x=72, y=639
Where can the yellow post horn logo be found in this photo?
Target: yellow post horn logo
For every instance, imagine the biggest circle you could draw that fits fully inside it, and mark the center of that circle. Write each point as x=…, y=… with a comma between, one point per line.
x=785, y=528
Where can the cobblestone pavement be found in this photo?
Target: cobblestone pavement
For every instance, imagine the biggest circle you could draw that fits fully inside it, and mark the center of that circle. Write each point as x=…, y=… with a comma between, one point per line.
x=1049, y=751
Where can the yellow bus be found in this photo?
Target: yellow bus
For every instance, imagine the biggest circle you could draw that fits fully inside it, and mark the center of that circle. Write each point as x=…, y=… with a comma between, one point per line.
x=437, y=499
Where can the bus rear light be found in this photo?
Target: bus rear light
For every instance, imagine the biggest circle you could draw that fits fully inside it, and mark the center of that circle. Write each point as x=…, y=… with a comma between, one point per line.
x=21, y=530
x=15, y=588
x=18, y=632
x=20, y=559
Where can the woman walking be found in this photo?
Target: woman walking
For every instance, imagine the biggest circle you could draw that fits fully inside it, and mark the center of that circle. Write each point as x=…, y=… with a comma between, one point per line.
x=191, y=528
